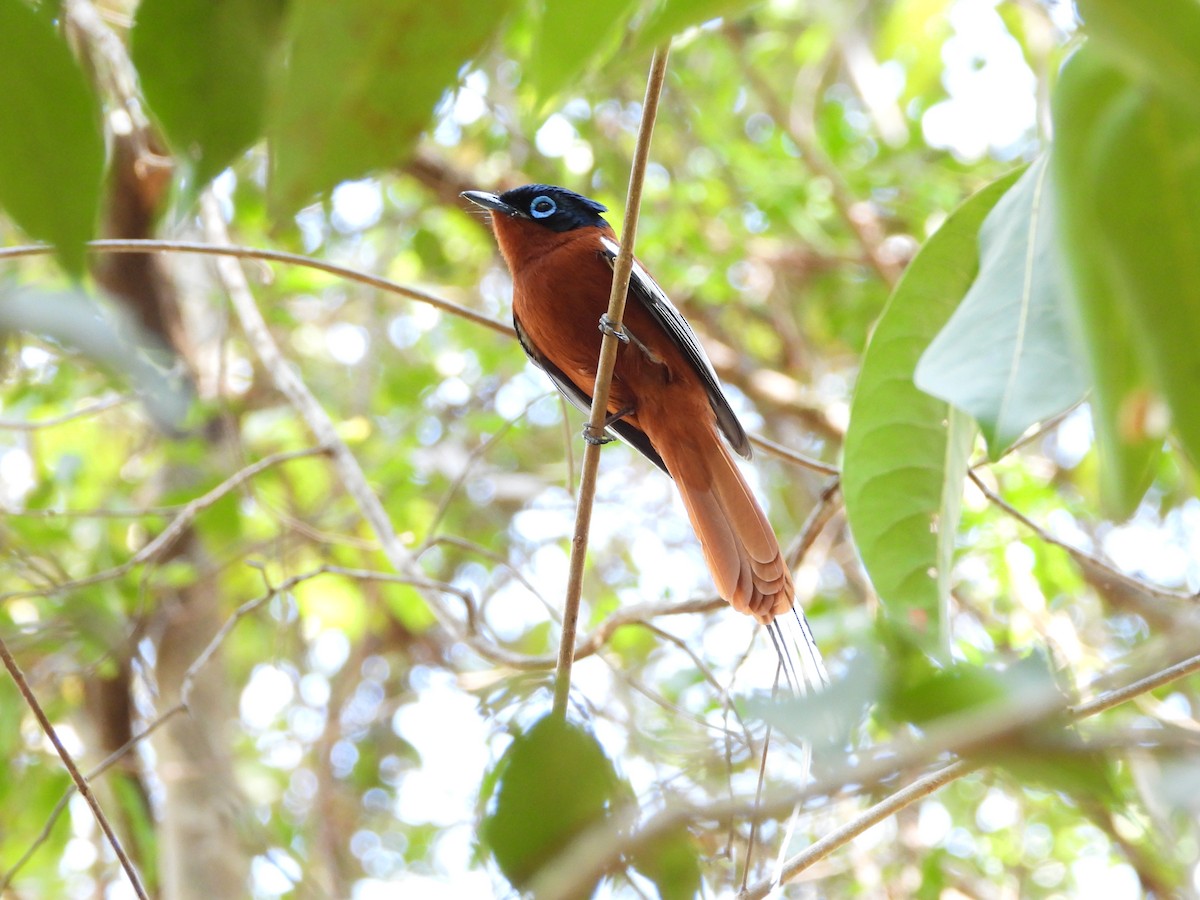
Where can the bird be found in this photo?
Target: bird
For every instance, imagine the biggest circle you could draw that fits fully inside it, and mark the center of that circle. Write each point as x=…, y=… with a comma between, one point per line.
x=665, y=400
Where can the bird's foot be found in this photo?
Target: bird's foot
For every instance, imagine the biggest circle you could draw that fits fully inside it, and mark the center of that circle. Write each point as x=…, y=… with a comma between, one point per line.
x=596, y=436
x=607, y=327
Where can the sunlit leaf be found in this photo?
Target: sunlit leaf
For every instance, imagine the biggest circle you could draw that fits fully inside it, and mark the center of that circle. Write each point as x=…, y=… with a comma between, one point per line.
x=921, y=693
x=204, y=69
x=569, y=37
x=51, y=150
x=1006, y=356
x=672, y=863
x=826, y=718
x=554, y=781
x=674, y=16
x=905, y=453
x=362, y=80
x=1121, y=393
x=912, y=32
x=1163, y=48
x=333, y=601
x=1147, y=209
x=77, y=321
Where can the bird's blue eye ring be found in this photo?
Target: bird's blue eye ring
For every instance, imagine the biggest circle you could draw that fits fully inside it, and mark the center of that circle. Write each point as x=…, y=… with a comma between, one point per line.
x=542, y=206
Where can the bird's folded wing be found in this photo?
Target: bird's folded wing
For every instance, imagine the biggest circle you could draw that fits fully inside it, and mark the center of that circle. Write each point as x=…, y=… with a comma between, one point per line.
x=656, y=302
x=633, y=436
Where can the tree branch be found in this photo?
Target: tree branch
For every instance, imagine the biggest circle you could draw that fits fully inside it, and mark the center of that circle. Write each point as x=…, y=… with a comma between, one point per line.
x=602, y=846
x=622, y=268
x=80, y=782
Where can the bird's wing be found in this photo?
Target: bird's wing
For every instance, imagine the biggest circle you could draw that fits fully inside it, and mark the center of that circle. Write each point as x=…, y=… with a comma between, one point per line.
x=656, y=302
x=632, y=435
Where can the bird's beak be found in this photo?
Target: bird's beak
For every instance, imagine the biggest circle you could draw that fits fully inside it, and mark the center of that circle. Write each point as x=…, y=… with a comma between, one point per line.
x=492, y=202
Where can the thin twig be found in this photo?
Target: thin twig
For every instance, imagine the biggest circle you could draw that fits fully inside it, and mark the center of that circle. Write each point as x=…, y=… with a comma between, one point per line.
x=289, y=383
x=1089, y=562
x=599, y=847
x=80, y=782
x=790, y=455
x=828, y=504
x=383, y=284
x=839, y=837
x=622, y=268
x=97, y=407
x=175, y=529
x=229, y=250
x=934, y=781
x=202, y=659
x=864, y=228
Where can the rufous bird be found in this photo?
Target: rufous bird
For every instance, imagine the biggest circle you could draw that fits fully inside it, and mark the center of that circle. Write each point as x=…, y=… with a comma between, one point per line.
x=665, y=400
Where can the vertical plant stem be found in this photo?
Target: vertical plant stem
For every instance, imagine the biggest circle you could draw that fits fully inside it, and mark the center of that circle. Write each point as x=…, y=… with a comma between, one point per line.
x=81, y=783
x=608, y=357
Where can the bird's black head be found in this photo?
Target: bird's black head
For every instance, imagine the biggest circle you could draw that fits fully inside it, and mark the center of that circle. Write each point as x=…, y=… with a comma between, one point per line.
x=551, y=207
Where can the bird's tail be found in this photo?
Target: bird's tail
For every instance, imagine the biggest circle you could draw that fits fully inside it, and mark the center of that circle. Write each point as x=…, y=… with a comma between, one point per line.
x=740, y=547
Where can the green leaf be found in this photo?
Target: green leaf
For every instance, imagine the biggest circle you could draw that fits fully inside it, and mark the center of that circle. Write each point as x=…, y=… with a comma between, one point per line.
x=1121, y=392
x=905, y=453
x=922, y=693
x=75, y=320
x=672, y=863
x=1163, y=48
x=554, y=781
x=1006, y=356
x=825, y=719
x=1147, y=209
x=570, y=37
x=362, y=80
x=674, y=16
x=51, y=152
x=204, y=71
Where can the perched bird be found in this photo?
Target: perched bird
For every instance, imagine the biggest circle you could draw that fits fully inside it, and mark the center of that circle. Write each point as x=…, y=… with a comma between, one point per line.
x=665, y=400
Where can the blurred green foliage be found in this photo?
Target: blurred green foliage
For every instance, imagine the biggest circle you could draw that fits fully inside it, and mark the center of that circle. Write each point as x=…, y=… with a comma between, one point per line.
x=800, y=162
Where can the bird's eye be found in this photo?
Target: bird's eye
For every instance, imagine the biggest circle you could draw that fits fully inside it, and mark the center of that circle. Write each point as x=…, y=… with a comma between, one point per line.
x=542, y=206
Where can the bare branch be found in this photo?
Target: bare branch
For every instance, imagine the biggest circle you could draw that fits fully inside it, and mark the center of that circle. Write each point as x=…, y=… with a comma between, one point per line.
x=175, y=529
x=601, y=846
x=790, y=455
x=80, y=782
x=94, y=409
x=1129, y=590
x=226, y=249
x=864, y=226
x=622, y=269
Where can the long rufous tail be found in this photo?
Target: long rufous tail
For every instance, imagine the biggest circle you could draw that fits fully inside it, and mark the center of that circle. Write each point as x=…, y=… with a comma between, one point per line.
x=739, y=545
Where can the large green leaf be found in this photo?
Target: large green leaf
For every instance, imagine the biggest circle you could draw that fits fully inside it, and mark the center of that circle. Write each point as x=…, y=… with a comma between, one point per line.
x=905, y=452
x=1006, y=356
x=1159, y=44
x=1087, y=89
x=672, y=863
x=570, y=37
x=108, y=337
x=1147, y=206
x=51, y=150
x=673, y=16
x=553, y=782
x=362, y=80
x=204, y=70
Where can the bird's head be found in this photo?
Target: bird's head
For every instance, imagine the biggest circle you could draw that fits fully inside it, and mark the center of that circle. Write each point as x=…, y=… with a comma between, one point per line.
x=532, y=220
x=542, y=205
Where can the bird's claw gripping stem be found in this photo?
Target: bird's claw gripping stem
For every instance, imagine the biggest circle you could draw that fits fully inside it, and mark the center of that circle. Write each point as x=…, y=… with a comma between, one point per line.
x=592, y=437
x=608, y=327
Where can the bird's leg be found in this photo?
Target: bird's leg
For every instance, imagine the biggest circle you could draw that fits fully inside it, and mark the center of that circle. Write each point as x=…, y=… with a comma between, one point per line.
x=625, y=336
x=607, y=327
x=592, y=437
